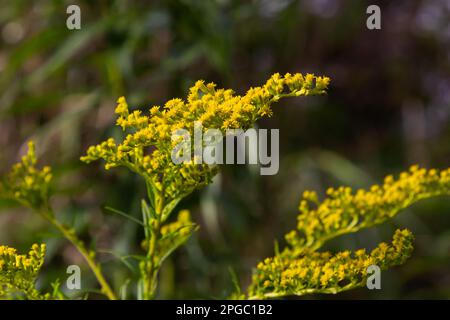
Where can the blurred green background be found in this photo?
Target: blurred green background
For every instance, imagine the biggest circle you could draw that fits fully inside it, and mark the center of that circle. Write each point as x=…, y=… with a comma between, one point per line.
x=388, y=107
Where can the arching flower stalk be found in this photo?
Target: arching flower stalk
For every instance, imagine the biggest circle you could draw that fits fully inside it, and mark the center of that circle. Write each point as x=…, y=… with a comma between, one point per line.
x=300, y=269
x=30, y=186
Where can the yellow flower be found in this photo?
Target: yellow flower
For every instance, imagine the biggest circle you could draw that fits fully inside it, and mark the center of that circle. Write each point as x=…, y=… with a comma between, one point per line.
x=26, y=183
x=345, y=211
x=19, y=272
x=216, y=108
x=326, y=272
x=299, y=269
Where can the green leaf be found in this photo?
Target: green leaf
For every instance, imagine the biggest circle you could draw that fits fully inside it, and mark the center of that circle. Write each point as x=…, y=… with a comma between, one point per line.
x=235, y=280
x=57, y=293
x=147, y=211
x=123, y=214
x=148, y=214
x=169, y=208
x=124, y=289
x=276, y=248
x=140, y=289
x=175, y=241
x=151, y=193
x=123, y=259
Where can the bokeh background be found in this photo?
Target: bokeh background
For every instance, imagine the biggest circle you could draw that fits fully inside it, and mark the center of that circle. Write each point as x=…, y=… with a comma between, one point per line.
x=388, y=107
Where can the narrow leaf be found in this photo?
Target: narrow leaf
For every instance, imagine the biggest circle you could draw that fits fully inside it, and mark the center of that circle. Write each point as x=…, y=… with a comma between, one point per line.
x=123, y=214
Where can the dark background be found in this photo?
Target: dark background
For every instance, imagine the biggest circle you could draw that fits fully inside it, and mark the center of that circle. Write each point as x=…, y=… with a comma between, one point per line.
x=388, y=107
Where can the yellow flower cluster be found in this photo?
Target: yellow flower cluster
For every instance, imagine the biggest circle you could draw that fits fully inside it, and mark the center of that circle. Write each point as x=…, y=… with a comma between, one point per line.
x=147, y=147
x=345, y=211
x=323, y=272
x=30, y=186
x=26, y=183
x=18, y=272
x=180, y=228
x=299, y=269
x=175, y=234
x=181, y=225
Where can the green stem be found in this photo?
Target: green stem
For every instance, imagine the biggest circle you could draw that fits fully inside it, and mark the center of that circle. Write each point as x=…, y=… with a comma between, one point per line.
x=272, y=295
x=87, y=255
x=152, y=269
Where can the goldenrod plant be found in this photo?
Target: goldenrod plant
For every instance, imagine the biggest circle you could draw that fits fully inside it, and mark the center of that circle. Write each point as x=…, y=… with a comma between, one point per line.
x=147, y=148
x=300, y=269
x=167, y=182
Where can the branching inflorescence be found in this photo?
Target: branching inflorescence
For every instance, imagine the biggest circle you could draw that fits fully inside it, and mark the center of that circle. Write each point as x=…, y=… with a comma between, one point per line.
x=300, y=269
x=214, y=108
x=148, y=146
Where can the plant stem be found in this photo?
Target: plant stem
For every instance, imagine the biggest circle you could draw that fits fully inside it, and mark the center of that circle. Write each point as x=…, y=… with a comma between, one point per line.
x=87, y=255
x=151, y=278
x=303, y=292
